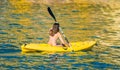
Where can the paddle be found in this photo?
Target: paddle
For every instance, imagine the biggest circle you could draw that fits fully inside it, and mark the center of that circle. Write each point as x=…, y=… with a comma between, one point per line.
x=51, y=13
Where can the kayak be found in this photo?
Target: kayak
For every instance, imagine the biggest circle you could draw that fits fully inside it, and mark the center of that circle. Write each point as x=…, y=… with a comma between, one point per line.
x=75, y=46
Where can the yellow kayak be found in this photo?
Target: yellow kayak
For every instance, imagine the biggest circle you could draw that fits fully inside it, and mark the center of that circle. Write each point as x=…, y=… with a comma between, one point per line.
x=76, y=46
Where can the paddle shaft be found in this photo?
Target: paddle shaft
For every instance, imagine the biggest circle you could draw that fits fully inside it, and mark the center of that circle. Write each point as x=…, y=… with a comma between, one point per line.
x=51, y=13
x=63, y=35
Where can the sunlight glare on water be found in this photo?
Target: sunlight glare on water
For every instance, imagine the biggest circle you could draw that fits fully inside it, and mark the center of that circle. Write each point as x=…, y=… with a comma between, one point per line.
x=26, y=22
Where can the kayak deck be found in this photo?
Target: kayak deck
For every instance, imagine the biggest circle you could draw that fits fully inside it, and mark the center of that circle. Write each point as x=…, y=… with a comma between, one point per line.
x=76, y=46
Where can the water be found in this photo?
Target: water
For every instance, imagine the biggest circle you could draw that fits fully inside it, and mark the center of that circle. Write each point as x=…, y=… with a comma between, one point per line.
x=30, y=24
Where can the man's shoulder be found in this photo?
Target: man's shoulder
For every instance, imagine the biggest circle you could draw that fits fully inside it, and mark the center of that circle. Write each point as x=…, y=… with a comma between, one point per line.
x=50, y=29
x=58, y=33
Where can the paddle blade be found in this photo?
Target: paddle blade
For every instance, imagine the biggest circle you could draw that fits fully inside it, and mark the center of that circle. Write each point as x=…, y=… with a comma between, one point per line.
x=51, y=13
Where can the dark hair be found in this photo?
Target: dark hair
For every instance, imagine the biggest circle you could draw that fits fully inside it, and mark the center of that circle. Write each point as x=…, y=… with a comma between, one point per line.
x=54, y=29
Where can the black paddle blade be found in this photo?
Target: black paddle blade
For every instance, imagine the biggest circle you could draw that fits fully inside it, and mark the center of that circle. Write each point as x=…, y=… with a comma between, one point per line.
x=51, y=13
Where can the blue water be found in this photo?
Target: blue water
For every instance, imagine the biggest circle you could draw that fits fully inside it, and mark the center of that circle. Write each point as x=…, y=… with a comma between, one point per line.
x=54, y=61
x=79, y=24
x=11, y=58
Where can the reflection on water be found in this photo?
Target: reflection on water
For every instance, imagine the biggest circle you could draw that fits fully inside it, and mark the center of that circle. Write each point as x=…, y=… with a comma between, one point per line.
x=24, y=22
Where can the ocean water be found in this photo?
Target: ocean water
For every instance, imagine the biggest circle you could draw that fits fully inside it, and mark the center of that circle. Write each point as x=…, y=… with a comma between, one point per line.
x=24, y=22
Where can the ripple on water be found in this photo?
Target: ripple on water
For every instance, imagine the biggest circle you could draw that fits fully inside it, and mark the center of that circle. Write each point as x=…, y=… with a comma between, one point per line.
x=8, y=51
x=42, y=67
x=1, y=32
x=100, y=65
x=75, y=11
x=116, y=47
x=9, y=57
x=8, y=48
x=71, y=60
x=39, y=38
x=16, y=16
x=15, y=25
x=95, y=36
x=80, y=65
x=87, y=57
